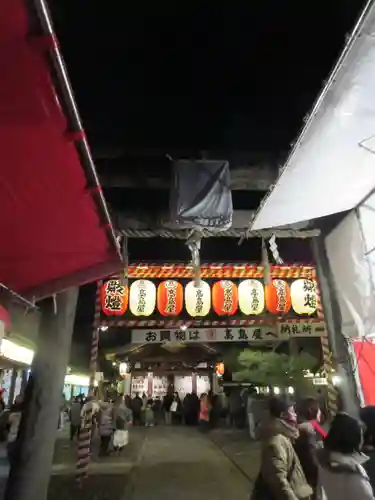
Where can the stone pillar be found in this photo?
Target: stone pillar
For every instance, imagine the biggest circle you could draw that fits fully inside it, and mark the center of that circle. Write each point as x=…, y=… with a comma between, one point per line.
x=24, y=381
x=194, y=382
x=12, y=387
x=150, y=384
x=30, y=473
x=127, y=384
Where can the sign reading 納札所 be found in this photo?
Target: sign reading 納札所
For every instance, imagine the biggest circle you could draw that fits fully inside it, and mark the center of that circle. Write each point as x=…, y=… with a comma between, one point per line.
x=235, y=334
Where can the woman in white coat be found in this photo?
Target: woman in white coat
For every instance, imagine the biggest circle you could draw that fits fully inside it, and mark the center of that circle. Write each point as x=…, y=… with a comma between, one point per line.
x=341, y=475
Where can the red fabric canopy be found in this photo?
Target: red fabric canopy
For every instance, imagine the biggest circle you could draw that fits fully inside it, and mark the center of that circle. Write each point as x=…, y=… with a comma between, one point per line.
x=365, y=354
x=5, y=318
x=51, y=235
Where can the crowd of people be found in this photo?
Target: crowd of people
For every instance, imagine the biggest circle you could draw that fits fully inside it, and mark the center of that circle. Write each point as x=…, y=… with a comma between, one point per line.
x=171, y=410
x=300, y=460
x=112, y=418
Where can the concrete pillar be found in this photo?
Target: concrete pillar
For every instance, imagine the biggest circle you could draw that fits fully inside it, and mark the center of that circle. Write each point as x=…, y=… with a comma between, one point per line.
x=30, y=473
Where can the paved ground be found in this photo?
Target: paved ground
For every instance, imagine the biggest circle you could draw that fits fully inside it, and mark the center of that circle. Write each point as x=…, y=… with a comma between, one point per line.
x=160, y=463
x=182, y=463
x=108, y=477
x=240, y=450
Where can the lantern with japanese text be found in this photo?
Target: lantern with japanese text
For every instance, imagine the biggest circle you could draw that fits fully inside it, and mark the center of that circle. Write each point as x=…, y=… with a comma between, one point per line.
x=225, y=298
x=170, y=298
x=220, y=368
x=114, y=297
x=278, y=299
x=197, y=298
x=303, y=293
x=142, y=298
x=251, y=297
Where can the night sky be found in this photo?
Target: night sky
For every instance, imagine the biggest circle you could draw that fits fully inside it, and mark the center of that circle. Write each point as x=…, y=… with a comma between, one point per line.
x=149, y=75
x=169, y=78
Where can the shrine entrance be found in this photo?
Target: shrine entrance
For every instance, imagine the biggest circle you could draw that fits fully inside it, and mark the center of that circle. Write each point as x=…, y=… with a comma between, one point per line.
x=183, y=327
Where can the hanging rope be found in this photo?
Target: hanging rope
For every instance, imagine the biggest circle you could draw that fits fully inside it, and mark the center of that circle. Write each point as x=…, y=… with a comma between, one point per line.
x=183, y=234
x=275, y=251
x=194, y=244
x=327, y=359
x=125, y=258
x=266, y=264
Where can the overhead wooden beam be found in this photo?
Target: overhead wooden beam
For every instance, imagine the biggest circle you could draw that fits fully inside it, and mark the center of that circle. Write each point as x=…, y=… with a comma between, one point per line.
x=139, y=224
x=247, y=178
x=141, y=220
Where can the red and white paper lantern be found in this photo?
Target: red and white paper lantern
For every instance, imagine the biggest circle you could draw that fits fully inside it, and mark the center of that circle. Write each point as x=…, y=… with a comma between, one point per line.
x=197, y=298
x=225, y=298
x=251, y=297
x=142, y=298
x=170, y=298
x=114, y=298
x=303, y=294
x=278, y=300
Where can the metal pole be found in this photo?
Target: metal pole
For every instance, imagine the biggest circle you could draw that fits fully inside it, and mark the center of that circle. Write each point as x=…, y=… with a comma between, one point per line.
x=75, y=121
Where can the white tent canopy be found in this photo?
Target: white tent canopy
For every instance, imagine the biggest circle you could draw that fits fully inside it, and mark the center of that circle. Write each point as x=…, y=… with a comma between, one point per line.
x=351, y=252
x=332, y=167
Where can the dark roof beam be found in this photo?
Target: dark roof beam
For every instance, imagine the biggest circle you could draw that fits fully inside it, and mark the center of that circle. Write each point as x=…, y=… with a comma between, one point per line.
x=242, y=178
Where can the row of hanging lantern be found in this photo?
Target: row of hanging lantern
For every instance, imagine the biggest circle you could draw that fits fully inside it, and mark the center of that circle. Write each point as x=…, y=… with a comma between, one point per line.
x=250, y=297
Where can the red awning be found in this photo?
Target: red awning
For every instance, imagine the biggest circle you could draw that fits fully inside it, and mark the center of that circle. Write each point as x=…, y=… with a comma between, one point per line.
x=51, y=232
x=5, y=318
x=365, y=355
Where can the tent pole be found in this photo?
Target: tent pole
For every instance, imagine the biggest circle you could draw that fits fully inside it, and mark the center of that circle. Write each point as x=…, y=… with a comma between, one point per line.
x=31, y=468
x=344, y=369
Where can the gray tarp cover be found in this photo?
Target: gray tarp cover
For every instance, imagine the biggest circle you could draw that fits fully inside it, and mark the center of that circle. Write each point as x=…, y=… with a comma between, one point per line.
x=201, y=197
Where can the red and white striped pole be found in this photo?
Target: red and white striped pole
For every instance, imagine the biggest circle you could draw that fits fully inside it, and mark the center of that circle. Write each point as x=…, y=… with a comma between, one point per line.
x=85, y=433
x=327, y=358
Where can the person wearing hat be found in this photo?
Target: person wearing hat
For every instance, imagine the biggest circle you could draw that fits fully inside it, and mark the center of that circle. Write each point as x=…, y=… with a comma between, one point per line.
x=281, y=476
x=341, y=474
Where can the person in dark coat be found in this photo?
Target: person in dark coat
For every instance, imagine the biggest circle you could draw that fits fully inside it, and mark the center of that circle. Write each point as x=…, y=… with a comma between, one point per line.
x=367, y=415
x=167, y=403
x=137, y=404
x=310, y=439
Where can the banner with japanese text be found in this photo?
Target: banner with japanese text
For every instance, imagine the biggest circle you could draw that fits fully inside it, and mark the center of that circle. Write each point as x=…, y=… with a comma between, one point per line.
x=235, y=334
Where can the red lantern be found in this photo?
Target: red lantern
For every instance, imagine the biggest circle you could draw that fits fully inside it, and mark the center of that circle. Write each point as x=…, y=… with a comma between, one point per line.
x=225, y=298
x=170, y=298
x=220, y=369
x=115, y=298
x=278, y=300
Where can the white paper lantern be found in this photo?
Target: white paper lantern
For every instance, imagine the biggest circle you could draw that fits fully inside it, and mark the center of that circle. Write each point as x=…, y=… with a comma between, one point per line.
x=198, y=299
x=251, y=297
x=303, y=294
x=123, y=369
x=142, y=299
